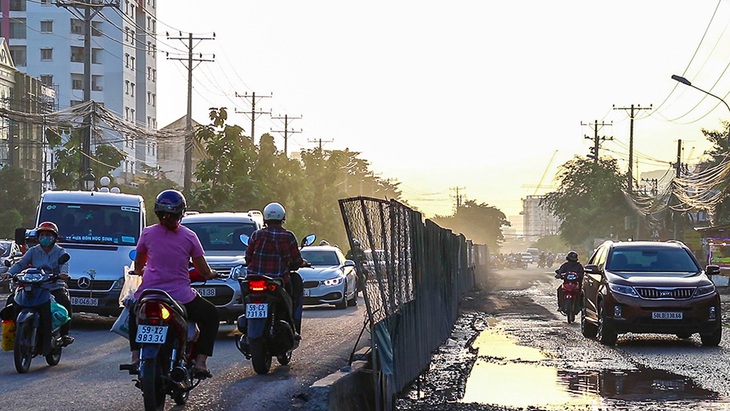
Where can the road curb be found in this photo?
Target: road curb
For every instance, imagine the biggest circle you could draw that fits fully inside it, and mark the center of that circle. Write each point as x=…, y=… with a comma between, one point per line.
x=348, y=389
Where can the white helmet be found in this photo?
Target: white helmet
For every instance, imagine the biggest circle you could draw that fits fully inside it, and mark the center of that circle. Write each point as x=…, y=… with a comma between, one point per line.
x=274, y=211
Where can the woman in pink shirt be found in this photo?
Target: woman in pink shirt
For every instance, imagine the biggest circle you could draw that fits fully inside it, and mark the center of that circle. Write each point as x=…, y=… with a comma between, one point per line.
x=164, y=251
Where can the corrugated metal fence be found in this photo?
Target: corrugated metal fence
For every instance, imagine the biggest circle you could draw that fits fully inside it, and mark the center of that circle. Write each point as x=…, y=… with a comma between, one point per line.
x=414, y=273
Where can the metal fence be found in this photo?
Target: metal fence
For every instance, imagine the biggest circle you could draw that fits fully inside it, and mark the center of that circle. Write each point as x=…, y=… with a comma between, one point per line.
x=413, y=274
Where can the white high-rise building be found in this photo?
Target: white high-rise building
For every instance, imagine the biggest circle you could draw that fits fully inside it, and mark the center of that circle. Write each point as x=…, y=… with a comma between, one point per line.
x=46, y=40
x=538, y=221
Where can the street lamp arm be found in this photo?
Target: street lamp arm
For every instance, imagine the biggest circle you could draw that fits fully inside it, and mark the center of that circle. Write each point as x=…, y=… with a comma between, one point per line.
x=688, y=83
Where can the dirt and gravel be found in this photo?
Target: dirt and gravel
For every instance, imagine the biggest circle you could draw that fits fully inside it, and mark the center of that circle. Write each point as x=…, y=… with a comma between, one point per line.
x=642, y=372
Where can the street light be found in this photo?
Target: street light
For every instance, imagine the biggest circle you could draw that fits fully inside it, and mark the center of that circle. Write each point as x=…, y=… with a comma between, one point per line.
x=688, y=83
x=88, y=180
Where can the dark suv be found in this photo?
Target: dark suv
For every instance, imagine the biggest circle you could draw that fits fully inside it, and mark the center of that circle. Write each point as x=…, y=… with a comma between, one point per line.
x=649, y=287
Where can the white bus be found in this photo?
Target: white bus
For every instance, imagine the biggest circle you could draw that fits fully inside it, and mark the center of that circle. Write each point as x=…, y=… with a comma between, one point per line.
x=99, y=230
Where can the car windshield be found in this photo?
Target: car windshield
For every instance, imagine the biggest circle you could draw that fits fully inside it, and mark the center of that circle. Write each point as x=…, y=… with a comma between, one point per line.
x=87, y=223
x=321, y=257
x=219, y=236
x=652, y=260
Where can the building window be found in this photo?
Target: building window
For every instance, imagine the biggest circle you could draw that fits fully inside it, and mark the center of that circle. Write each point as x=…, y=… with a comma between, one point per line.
x=154, y=74
x=126, y=87
x=75, y=102
x=96, y=83
x=47, y=79
x=47, y=54
x=132, y=93
x=149, y=72
x=17, y=5
x=77, y=54
x=96, y=56
x=17, y=28
x=47, y=26
x=154, y=99
x=131, y=39
x=132, y=59
x=77, y=81
x=126, y=60
x=77, y=26
x=126, y=117
x=19, y=55
x=96, y=28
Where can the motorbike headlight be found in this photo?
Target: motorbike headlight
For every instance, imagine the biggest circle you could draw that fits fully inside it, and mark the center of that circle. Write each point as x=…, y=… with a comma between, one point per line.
x=623, y=289
x=333, y=282
x=239, y=272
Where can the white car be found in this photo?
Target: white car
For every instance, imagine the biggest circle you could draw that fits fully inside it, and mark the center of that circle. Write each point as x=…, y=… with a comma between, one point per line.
x=331, y=279
x=221, y=236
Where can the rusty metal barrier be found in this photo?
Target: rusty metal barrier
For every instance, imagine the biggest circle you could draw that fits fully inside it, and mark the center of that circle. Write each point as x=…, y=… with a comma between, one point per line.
x=414, y=273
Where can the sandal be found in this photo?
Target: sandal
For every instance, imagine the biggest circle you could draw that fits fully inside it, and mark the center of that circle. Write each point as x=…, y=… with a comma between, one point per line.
x=201, y=373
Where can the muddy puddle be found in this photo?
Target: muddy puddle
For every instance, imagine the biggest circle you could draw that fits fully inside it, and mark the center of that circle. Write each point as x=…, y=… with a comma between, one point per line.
x=510, y=375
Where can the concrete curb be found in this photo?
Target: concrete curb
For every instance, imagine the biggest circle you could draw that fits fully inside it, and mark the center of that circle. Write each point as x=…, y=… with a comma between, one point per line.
x=349, y=389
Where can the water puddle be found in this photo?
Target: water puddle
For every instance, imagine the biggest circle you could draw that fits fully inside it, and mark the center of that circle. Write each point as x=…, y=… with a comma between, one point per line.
x=505, y=369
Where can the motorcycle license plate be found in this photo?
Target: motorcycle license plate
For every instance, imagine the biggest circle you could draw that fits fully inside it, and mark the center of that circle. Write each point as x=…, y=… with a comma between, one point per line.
x=257, y=310
x=662, y=315
x=151, y=334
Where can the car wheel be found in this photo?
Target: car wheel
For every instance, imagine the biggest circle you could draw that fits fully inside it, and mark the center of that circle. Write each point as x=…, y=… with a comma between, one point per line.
x=587, y=328
x=713, y=339
x=606, y=334
x=342, y=304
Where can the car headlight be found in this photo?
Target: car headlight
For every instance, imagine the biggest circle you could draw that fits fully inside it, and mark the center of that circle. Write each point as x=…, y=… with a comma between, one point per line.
x=704, y=290
x=623, y=289
x=333, y=282
x=239, y=271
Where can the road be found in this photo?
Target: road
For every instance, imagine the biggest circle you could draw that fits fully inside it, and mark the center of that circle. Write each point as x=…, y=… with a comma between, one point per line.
x=88, y=376
x=524, y=355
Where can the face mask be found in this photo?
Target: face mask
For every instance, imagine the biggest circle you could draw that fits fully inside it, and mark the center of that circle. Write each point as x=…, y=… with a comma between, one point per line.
x=46, y=241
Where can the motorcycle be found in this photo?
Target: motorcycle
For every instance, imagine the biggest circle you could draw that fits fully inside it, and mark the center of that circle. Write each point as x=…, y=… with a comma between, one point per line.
x=32, y=294
x=167, y=352
x=571, y=294
x=267, y=327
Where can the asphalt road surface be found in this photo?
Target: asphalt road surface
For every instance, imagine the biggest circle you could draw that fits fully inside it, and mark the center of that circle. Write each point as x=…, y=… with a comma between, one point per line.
x=88, y=376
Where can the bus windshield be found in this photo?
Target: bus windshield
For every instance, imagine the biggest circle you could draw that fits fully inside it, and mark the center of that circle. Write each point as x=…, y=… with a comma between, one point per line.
x=93, y=223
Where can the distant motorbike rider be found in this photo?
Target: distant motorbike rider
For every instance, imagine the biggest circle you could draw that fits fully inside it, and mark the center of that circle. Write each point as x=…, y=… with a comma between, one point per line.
x=571, y=264
x=357, y=254
x=45, y=255
x=273, y=251
x=541, y=259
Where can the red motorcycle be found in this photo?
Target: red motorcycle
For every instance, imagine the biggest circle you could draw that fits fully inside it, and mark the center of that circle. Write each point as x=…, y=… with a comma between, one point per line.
x=570, y=290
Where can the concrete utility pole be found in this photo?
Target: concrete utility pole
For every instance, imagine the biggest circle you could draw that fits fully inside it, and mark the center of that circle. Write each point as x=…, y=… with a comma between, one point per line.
x=188, y=63
x=86, y=11
x=286, y=130
x=632, y=114
x=253, y=113
x=457, y=197
x=596, y=139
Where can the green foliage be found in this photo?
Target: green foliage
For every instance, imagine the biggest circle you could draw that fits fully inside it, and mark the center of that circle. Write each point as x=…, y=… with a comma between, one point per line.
x=67, y=173
x=480, y=223
x=590, y=201
x=17, y=207
x=553, y=243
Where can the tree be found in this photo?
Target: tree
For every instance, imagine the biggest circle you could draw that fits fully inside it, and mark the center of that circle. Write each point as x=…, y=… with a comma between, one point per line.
x=590, y=201
x=17, y=207
x=480, y=223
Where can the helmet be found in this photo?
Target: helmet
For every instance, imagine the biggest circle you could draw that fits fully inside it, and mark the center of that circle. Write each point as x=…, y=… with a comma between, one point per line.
x=170, y=201
x=356, y=242
x=274, y=211
x=572, y=256
x=47, y=226
x=324, y=242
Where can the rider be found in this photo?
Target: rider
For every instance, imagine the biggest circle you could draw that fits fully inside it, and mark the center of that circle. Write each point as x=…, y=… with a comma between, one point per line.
x=273, y=251
x=45, y=255
x=571, y=264
x=357, y=254
x=164, y=251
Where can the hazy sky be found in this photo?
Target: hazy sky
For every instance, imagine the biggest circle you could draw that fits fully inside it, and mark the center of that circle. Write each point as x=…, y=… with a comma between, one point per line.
x=468, y=95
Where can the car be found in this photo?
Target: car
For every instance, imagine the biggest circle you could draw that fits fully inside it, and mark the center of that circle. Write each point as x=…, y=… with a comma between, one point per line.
x=223, y=237
x=526, y=257
x=649, y=287
x=10, y=251
x=331, y=279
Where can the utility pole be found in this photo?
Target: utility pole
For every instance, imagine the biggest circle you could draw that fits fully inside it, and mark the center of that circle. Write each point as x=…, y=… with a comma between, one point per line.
x=86, y=11
x=320, y=141
x=457, y=197
x=188, y=63
x=253, y=113
x=632, y=114
x=596, y=139
x=286, y=131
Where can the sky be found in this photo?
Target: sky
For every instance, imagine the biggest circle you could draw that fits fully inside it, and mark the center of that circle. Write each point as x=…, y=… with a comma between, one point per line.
x=484, y=99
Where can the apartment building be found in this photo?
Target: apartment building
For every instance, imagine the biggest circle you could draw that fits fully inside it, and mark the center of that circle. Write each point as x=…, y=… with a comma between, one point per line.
x=46, y=40
x=538, y=221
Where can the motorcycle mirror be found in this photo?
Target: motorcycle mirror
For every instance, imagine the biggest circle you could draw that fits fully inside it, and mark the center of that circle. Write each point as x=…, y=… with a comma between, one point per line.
x=308, y=240
x=244, y=239
x=63, y=259
x=20, y=235
x=557, y=271
x=7, y=263
x=133, y=255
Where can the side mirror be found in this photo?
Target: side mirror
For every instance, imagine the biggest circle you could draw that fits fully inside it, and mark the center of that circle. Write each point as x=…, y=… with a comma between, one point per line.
x=349, y=263
x=244, y=239
x=20, y=235
x=308, y=240
x=592, y=269
x=712, y=270
x=63, y=259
